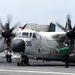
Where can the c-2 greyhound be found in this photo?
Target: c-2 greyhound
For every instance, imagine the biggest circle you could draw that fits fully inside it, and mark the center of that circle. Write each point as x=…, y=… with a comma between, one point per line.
x=42, y=45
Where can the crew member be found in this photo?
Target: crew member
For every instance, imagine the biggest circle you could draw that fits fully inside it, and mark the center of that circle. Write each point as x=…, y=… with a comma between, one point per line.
x=8, y=55
x=65, y=50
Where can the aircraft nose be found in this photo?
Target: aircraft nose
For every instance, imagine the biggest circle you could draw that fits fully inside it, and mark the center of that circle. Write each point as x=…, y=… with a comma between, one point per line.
x=18, y=45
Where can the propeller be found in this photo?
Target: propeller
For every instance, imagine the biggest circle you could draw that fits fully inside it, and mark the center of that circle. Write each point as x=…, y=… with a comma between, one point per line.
x=70, y=32
x=7, y=32
x=67, y=26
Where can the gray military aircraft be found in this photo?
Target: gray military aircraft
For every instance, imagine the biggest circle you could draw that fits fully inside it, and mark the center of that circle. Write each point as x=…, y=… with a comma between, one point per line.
x=7, y=33
x=39, y=45
x=42, y=45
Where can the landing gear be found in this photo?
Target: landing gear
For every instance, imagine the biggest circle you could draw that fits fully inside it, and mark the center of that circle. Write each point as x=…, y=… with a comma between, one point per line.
x=18, y=64
x=23, y=60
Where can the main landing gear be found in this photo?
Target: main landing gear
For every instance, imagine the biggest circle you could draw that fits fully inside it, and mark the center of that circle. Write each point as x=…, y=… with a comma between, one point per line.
x=23, y=60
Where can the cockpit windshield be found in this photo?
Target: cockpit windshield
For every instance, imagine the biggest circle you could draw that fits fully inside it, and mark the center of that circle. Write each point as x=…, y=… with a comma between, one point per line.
x=25, y=34
x=22, y=34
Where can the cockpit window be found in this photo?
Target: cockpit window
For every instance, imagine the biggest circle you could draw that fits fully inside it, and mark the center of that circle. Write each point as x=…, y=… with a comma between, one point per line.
x=25, y=34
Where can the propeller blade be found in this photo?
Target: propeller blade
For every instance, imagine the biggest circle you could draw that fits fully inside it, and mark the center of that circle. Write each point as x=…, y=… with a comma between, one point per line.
x=15, y=26
x=61, y=26
x=6, y=27
x=68, y=23
x=12, y=28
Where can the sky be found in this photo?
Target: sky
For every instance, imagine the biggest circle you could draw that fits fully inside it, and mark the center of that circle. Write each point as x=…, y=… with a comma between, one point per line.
x=37, y=11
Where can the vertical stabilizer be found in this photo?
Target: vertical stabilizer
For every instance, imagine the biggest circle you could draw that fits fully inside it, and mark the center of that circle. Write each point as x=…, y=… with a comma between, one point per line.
x=52, y=27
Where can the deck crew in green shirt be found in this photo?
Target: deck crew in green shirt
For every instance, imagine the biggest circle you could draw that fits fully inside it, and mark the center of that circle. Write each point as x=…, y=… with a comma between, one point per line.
x=65, y=50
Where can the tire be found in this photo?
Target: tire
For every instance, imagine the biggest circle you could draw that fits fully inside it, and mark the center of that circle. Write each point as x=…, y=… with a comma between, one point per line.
x=26, y=61
x=23, y=63
x=18, y=64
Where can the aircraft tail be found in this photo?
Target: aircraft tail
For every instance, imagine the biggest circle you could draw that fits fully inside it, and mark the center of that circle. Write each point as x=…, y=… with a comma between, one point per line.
x=52, y=27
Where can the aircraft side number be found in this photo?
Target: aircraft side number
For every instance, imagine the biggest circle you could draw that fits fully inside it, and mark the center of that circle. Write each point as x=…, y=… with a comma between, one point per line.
x=28, y=43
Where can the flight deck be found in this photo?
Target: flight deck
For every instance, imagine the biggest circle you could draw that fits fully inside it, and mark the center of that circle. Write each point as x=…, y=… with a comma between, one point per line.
x=35, y=68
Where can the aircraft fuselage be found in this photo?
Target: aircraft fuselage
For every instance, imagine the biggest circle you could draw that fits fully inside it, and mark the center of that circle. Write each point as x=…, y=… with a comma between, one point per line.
x=40, y=45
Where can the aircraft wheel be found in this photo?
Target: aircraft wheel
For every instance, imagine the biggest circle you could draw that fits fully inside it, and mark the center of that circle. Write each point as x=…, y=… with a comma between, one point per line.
x=18, y=64
x=23, y=63
x=26, y=61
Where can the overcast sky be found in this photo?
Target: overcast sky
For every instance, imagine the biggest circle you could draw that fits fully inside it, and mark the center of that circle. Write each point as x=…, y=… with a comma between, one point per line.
x=37, y=11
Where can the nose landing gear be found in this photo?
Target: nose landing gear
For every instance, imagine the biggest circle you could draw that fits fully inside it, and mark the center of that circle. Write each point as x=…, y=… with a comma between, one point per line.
x=23, y=60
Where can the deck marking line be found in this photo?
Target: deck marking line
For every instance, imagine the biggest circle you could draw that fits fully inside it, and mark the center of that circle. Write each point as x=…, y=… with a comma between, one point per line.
x=37, y=72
